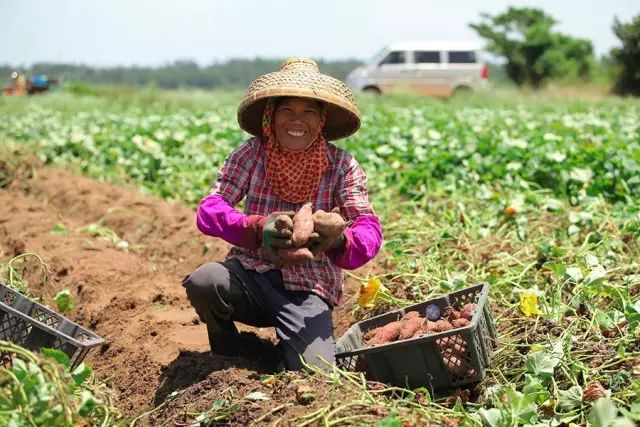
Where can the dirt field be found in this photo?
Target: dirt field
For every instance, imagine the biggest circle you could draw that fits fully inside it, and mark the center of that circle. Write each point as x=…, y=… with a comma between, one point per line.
x=133, y=298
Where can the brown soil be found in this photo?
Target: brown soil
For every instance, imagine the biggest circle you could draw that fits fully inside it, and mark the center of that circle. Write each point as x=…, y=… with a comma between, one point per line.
x=133, y=298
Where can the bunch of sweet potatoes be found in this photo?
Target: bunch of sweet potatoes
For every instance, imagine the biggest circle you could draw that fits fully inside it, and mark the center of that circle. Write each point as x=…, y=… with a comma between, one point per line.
x=412, y=325
x=308, y=227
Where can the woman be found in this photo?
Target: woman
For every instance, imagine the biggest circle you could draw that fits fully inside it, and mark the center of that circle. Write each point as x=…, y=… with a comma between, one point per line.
x=291, y=113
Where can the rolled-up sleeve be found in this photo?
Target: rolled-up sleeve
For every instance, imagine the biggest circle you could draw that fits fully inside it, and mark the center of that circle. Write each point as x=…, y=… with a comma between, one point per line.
x=363, y=237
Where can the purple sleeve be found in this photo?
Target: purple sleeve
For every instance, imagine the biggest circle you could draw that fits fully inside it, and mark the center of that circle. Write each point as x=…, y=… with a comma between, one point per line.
x=216, y=217
x=362, y=242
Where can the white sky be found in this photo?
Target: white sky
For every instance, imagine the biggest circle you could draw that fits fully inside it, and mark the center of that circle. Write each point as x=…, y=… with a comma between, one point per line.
x=153, y=32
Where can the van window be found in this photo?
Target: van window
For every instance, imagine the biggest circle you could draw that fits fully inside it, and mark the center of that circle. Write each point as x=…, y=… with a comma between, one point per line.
x=462, y=57
x=427, y=57
x=395, y=57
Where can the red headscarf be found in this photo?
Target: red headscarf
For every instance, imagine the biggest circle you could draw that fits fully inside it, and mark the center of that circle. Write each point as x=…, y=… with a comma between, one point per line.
x=294, y=176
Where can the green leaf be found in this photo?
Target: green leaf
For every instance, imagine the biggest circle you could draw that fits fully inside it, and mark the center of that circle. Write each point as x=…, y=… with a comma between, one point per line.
x=570, y=399
x=608, y=320
x=633, y=413
x=81, y=373
x=60, y=230
x=542, y=363
x=581, y=175
x=604, y=414
x=257, y=395
x=523, y=408
x=57, y=355
x=533, y=386
x=88, y=403
x=390, y=420
x=64, y=301
x=557, y=267
x=632, y=314
x=573, y=273
x=491, y=417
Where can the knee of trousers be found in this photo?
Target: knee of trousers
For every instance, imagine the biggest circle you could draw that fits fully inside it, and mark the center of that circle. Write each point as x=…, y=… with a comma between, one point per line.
x=208, y=283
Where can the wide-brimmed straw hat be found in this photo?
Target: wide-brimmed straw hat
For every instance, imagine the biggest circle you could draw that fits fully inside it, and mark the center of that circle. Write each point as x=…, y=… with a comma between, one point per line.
x=300, y=77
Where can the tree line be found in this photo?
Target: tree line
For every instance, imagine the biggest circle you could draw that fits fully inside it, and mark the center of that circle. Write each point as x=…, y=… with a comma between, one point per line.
x=534, y=53
x=235, y=73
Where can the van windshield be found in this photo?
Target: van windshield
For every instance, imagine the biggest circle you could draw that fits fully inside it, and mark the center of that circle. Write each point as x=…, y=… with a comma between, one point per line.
x=373, y=58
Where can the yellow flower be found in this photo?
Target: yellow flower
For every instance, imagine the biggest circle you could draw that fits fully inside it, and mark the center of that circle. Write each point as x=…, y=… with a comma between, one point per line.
x=529, y=303
x=369, y=292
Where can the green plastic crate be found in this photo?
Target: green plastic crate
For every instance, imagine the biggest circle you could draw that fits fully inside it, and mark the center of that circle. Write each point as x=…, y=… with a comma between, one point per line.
x=421, y=361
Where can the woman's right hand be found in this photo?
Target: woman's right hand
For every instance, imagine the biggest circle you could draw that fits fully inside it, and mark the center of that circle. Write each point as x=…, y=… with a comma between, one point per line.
x=274, y=238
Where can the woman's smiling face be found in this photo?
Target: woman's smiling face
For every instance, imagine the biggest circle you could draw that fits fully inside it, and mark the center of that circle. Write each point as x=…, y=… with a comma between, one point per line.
x=297, y=122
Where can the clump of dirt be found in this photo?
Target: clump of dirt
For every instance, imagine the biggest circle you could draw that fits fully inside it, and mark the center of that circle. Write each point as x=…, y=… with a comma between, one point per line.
x=132, y=296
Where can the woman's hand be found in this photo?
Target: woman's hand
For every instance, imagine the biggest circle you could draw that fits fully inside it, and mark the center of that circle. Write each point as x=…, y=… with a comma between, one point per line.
x=274, y=236
x=328, y=231
x=319, y=244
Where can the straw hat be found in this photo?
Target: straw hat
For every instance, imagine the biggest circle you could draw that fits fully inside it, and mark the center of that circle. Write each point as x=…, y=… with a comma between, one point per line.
x=301, y=77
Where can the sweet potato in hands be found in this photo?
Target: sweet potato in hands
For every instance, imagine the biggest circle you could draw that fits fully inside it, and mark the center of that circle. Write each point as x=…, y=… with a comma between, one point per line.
x=302, y=226
x=299, y=228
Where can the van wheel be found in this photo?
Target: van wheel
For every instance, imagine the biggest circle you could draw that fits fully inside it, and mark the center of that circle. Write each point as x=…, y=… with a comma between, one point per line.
x=372, y=90
x=461, y=92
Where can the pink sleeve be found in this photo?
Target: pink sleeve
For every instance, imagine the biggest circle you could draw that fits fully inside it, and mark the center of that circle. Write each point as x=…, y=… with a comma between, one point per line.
x=216, y=217
x=362, y=242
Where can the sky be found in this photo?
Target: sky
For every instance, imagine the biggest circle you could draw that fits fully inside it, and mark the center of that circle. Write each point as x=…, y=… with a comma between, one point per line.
x=155, y=32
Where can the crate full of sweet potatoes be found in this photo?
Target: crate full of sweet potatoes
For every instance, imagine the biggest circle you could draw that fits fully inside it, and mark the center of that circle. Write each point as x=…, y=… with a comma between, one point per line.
x=444, y=342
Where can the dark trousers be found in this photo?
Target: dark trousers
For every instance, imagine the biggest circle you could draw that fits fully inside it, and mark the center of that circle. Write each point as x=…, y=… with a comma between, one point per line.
x=222, y=293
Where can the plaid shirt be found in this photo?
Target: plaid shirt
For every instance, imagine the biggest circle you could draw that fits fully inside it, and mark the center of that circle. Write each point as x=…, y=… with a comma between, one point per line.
x=343, y=185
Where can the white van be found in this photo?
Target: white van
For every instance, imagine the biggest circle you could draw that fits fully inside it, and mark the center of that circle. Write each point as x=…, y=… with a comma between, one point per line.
x=426, y=67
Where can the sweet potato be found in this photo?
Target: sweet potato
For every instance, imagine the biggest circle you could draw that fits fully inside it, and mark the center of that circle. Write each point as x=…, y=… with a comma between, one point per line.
x=388, y=333
x=460, y=323
x=410, y=314
x=428, y=327
x=410, y=326
x=302, y=225
x=455, y=343
x=456, y=365
x=467, y=311
x=295, y=256
x=442, y=326
x=328, y=224
x=451, y=314
x=391, y=331
x=370, y=334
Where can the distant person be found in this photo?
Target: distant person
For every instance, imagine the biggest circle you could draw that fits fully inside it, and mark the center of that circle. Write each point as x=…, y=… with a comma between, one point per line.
x=21, y=83
x=292, y=113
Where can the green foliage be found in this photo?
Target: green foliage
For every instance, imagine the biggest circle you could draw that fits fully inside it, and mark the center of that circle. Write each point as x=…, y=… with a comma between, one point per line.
x=43, y=391
x=628, y=56
x=441, y=176
x=533, y=52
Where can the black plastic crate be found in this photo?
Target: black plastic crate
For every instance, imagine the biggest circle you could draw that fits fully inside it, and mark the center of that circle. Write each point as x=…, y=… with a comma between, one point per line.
x=34, y=326
x=422, y=361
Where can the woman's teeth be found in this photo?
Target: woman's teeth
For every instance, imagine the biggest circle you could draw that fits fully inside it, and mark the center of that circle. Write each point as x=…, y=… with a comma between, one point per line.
x=295, y=132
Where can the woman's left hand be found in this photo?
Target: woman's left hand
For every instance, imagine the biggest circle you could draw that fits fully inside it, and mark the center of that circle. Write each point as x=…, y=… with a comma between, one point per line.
x=319, y=244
